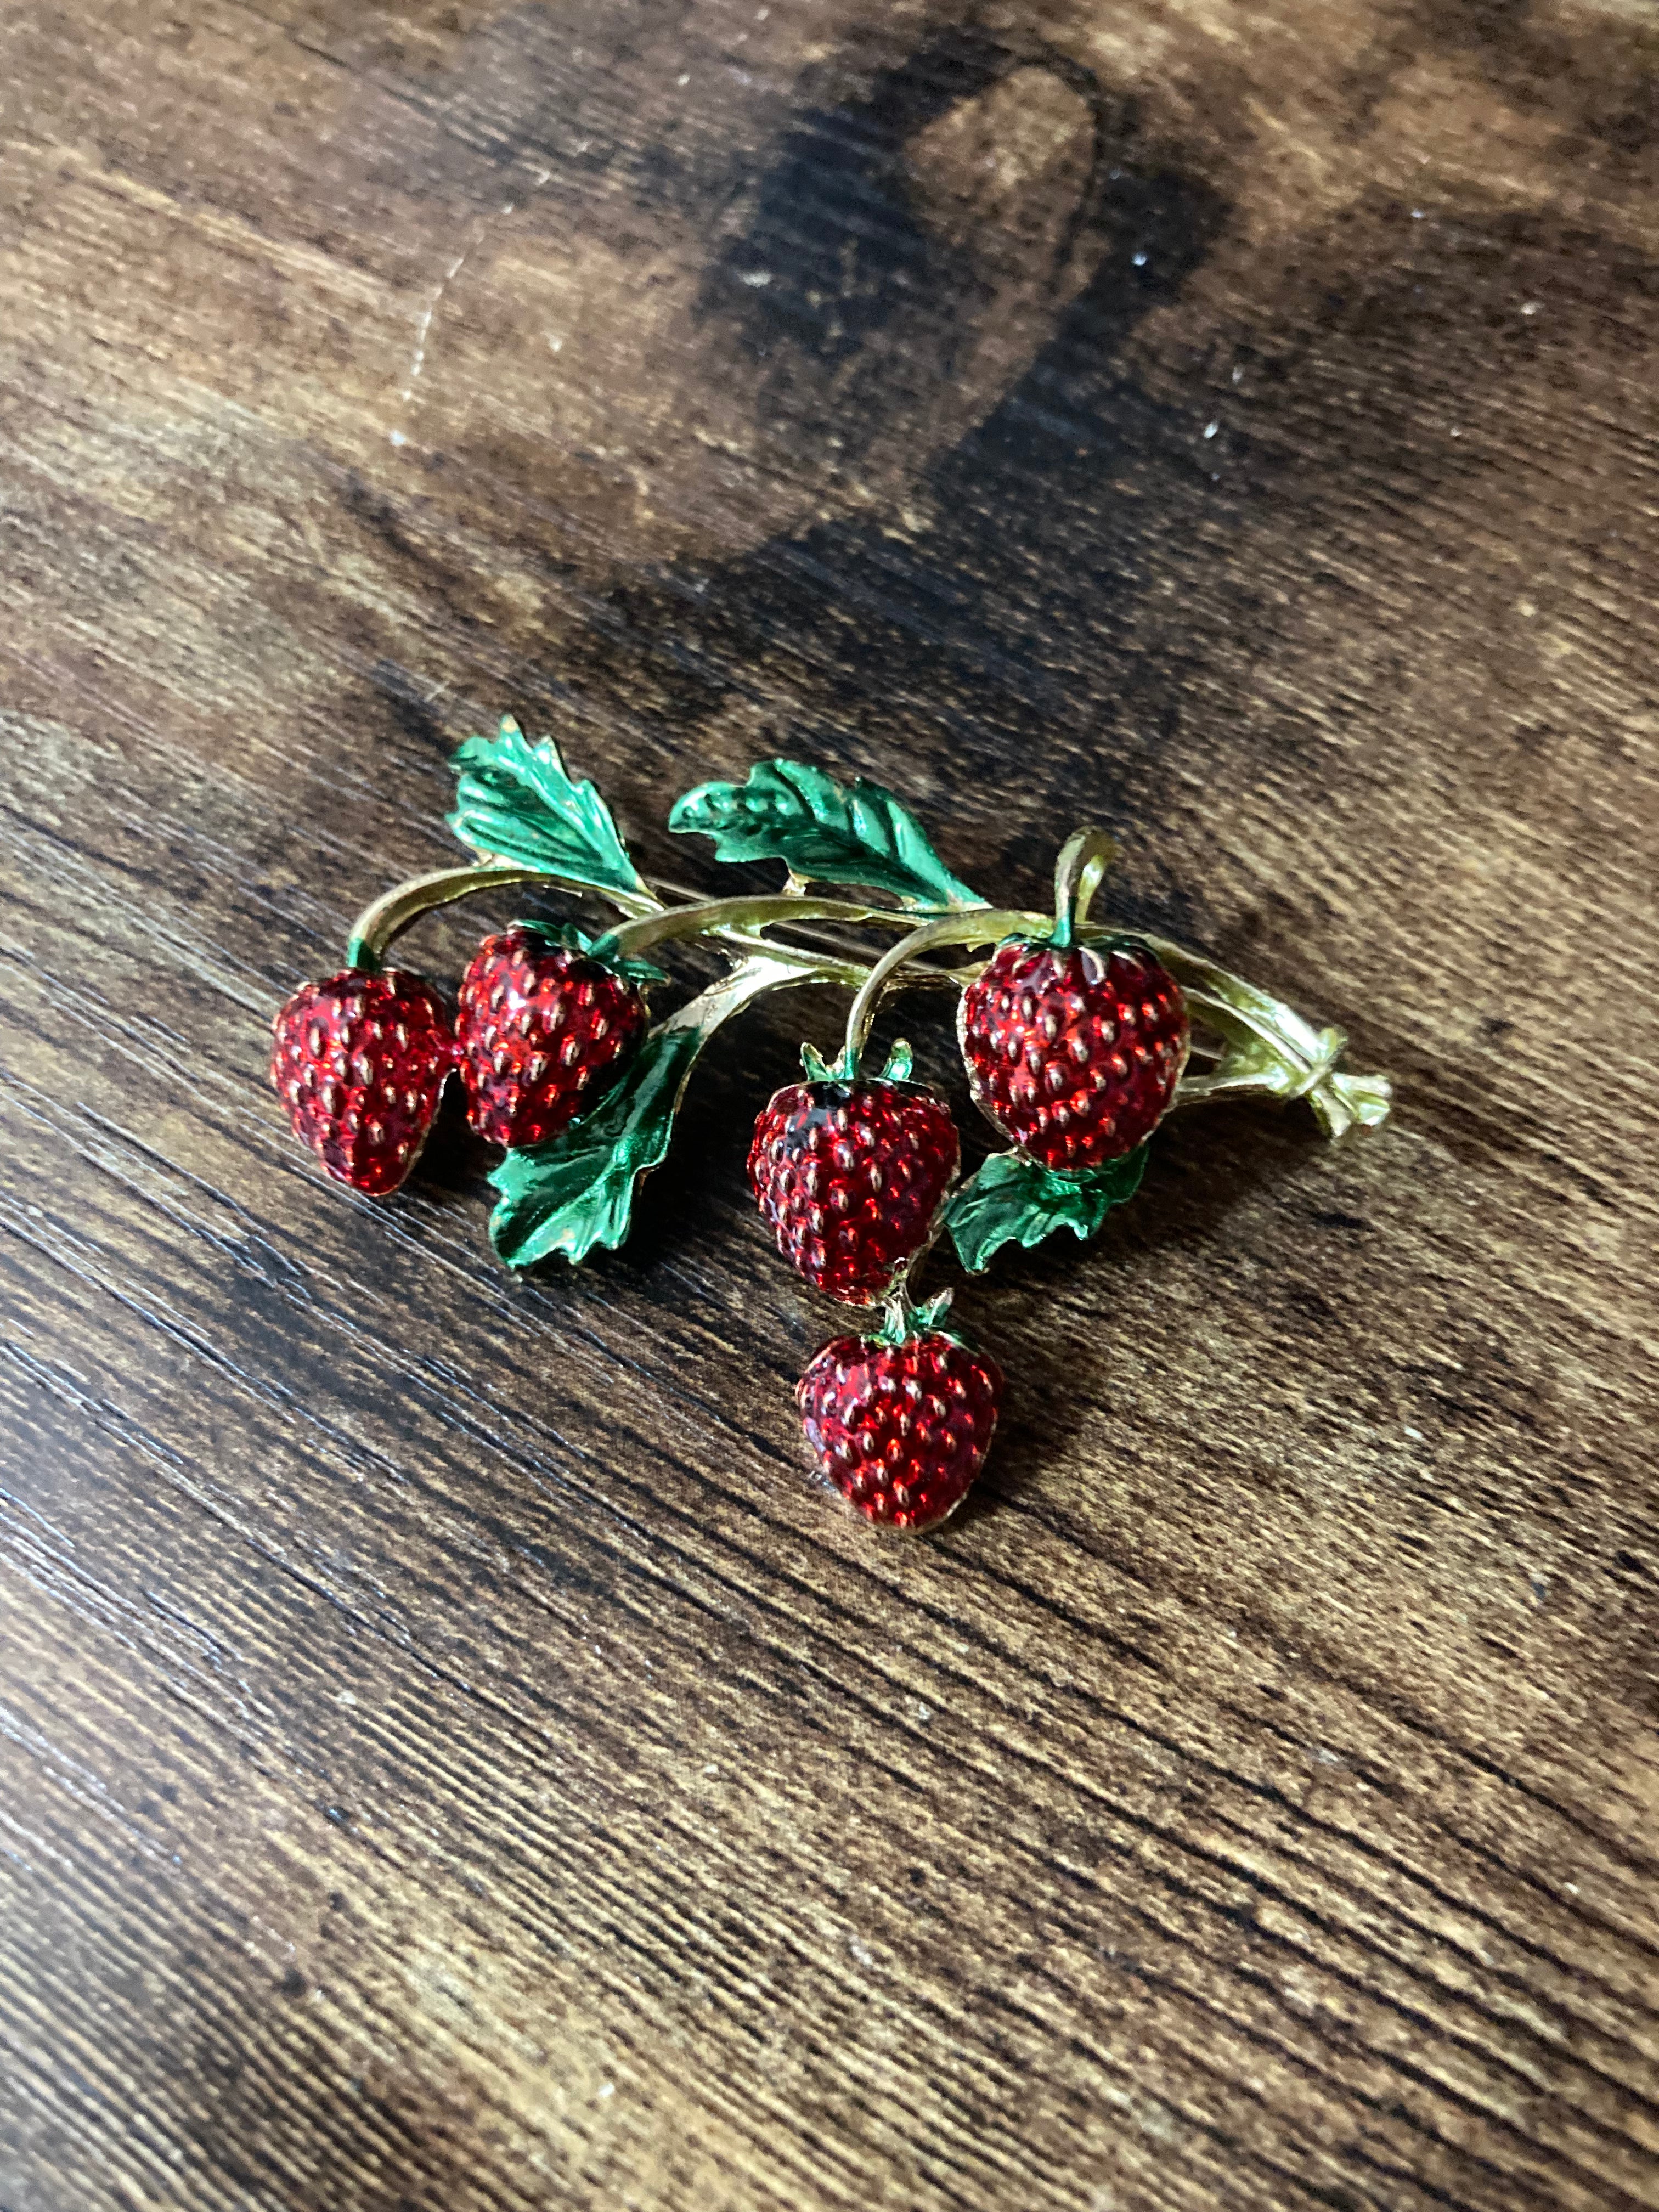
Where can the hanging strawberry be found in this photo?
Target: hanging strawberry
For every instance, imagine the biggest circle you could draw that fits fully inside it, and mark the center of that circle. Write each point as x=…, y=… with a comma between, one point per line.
x=543, y=1032
x=359, y=1062
x=848, y=1174
x=900, y=1421
x=1074, y=1050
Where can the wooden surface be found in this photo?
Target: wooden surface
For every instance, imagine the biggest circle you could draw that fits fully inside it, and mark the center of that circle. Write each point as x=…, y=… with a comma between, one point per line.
x=450, y=1757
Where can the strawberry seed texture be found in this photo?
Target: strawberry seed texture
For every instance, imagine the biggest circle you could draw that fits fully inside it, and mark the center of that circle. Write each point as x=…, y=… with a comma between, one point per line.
x=900, y=1430
x=848, y=1175
x=543, y=1033
x=1074, y=1054
x=360, y=1061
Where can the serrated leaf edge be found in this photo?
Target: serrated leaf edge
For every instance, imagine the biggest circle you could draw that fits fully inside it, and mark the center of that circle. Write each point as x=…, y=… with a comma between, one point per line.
x=746, y=825
x=1033, y=1228
x=591, y=824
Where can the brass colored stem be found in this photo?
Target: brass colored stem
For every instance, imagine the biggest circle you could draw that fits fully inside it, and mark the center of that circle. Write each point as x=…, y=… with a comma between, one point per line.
x=1082, y=862
x=1270, y=1051
x=982, y=927
x=393, y=913
x=631, y=939
x=731, y=922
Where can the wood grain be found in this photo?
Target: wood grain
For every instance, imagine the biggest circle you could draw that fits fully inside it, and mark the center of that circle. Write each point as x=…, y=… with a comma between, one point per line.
x=451, y=1757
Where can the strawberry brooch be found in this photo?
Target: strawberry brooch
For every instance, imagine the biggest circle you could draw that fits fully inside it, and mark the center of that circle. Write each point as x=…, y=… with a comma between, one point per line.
x=901, y=1422
x=1076, y=1039
x=359, y=1062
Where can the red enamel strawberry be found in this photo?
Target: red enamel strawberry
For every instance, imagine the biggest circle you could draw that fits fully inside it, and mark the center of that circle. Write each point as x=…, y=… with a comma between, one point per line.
x=848, y=1175
x=359, y=1062
x=1075, y=1053
x=543, y=1032
x=901, y=1429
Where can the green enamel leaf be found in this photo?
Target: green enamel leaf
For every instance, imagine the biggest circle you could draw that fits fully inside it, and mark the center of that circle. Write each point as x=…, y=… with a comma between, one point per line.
x=516, y=801
x=567, y=1196
x=826, y=832
x=577, y=1192
x=1014, y=1200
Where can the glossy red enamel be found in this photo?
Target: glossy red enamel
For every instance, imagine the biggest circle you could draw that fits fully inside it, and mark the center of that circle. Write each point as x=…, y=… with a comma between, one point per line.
x=359, y=1060
x=543, y=1032
x=1075, y=1054
x=848, y=1177
x=900, y=1430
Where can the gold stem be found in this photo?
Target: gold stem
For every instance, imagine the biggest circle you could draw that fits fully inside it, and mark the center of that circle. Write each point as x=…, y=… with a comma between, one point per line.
x=1082, y=862
x=981, y=927
x=711, y=916
x=1270, y=1050
x=393, y=913
x=729, y=921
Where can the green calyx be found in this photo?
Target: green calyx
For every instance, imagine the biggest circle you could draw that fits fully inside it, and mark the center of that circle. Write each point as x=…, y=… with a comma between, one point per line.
x=903, y=1322
x=1013, y=1200
x=568, y=936
x=844, y=1068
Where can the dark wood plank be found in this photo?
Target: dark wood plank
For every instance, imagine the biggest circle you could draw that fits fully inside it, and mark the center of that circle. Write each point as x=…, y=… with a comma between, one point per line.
x=451, y=1757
